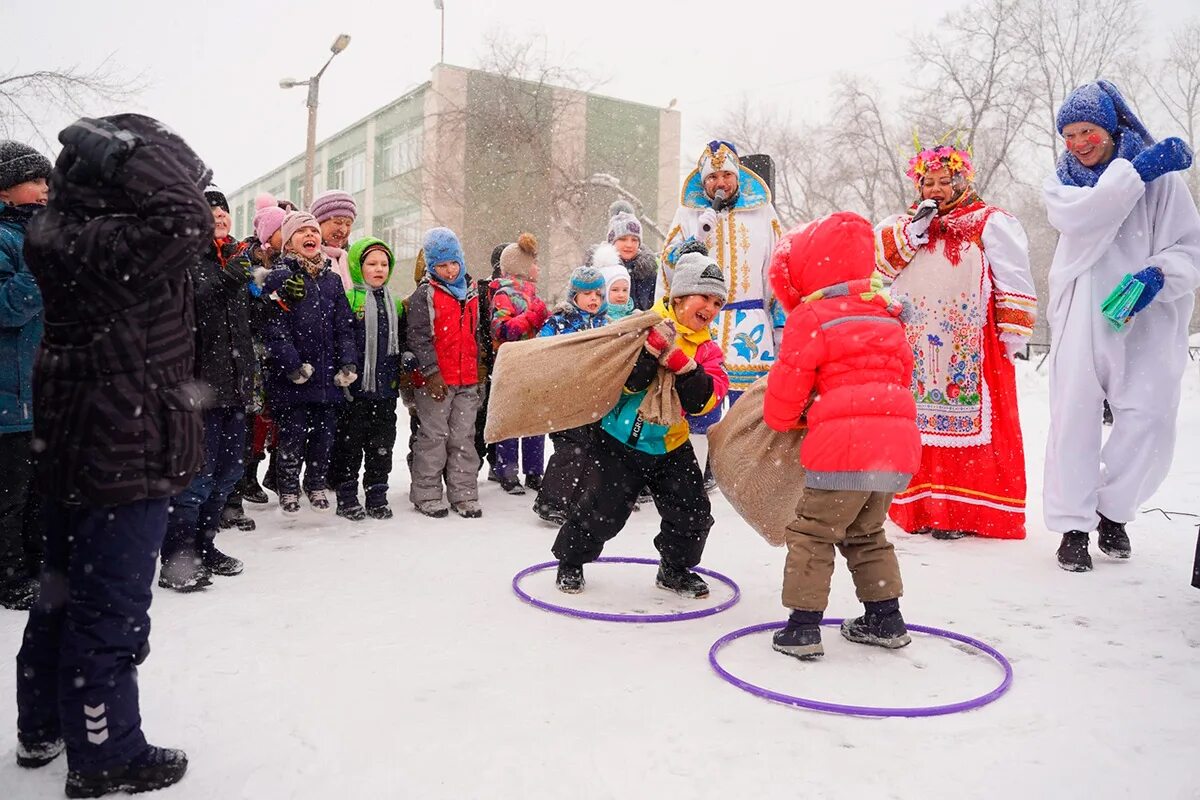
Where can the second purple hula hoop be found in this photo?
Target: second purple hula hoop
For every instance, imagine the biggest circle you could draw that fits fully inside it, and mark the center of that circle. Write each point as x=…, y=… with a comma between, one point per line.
x=866, y=711
x=607, y=617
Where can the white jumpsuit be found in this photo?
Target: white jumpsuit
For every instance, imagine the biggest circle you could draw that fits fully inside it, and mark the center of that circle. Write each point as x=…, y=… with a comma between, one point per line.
x=1118, y=227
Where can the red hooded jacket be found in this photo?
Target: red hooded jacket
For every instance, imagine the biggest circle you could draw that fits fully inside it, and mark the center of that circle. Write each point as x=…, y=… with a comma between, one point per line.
x=844, y=359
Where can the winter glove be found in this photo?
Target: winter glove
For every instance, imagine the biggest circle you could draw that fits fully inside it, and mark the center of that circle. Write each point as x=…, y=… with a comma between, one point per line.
x=918, y=226
x=1169, y=155
x=1151, y=279
x=1012, y=347
x=301, y=375
x=345, y=376
x=293, y=288
x=435, y=384
x=677, y=361
x=708, y=221
x=661, y=338
x=236, y=272
x=100, y=148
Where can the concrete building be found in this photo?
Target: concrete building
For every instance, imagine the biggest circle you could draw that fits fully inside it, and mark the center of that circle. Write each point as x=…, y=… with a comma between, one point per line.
x=490, y=156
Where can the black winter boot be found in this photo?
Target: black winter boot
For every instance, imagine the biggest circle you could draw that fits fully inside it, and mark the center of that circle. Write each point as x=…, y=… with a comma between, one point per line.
x=268, y=481
x=533, y=483
x=38, y=754
x=1113, y=539
x=219, y=563
x=249, y=487
x=1073, y=555
x=802, y=637
x=570, y=578
x=882, y=626
x=153, y=768
x=512, y=486
x=235, y=517
x=18, y=594
x=680, y=580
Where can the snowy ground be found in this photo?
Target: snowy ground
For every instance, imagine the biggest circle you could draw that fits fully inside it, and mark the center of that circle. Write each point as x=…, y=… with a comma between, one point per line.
x=386, y=660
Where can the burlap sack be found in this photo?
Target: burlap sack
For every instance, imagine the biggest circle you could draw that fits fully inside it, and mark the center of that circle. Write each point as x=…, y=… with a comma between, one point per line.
x=556, y=383
x=757, y=468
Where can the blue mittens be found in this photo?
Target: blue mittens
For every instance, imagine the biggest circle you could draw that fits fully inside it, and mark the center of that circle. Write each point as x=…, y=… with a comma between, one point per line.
x=1169, y=155
x=1152, y=280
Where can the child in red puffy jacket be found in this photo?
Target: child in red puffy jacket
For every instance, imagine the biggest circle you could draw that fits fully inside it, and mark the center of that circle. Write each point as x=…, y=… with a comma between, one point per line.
x=844, y=369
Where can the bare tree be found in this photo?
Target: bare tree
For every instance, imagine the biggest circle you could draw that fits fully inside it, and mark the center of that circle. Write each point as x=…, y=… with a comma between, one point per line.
x=1177, y=89
x=1064, y=43
x=865, y=137
x=25, y=97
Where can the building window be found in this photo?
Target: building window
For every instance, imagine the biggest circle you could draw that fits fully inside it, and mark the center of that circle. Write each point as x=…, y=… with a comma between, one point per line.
x=399, y=152
x=349, y=173
x=402, y=231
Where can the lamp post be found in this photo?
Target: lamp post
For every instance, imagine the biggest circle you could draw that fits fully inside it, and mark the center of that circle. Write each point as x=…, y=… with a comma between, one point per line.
x=314, y=87
x=440, y=5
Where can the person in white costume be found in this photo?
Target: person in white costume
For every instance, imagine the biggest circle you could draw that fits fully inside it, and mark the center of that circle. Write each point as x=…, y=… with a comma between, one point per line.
x=726, y=207
x=1120, y=210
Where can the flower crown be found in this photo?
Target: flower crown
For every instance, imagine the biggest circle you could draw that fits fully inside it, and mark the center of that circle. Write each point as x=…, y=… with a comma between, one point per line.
x=945, y=156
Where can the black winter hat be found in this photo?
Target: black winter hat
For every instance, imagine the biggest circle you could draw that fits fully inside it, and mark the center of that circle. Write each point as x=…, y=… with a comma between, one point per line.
x=216, y=198
x=19, y=163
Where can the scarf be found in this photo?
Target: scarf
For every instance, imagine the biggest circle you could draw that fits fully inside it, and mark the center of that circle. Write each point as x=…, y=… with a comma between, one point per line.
x=1073, y=173
x=870, y=290
x=371, y=321
x=457, y=287
x=314, y=266
x=616, y=312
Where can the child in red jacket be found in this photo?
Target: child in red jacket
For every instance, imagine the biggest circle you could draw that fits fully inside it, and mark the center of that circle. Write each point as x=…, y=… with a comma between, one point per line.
x=844, y=369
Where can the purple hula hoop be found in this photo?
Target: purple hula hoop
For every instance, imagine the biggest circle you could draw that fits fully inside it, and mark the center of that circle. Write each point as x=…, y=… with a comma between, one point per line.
x=605, y=617
x=865, y=711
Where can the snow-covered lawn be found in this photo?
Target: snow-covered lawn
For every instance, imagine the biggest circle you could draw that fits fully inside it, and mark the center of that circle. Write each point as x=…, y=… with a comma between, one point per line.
x=384, y=660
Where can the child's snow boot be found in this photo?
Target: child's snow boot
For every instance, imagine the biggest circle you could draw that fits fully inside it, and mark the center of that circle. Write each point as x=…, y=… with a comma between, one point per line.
x=533, y=483
x=467, y=509
x=248, y=486
x=802, y=637
x=348, y=506
x=18, y=593
x=318, y=500
x=235, y=517
x=512, y=485
x=680, y=580
x=290, y=503
x=153, y=768
x=1113, y=539
x=882, y=626
x=433, y=508
x=949, y=535
x=184, y=574
x=570, y=578
x=219, y=563
x=1073, y=555
x=268, y=482
x=38, y=754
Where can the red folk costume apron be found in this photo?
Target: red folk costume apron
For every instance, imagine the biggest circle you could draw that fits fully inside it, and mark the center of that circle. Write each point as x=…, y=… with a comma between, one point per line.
x=972, y=475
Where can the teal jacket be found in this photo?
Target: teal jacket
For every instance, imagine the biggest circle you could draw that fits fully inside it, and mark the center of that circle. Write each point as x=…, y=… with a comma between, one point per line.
x=20, y=321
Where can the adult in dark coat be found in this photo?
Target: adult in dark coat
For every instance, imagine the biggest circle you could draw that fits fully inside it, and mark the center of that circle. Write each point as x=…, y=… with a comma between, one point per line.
x=225, y=366
x=118, y=417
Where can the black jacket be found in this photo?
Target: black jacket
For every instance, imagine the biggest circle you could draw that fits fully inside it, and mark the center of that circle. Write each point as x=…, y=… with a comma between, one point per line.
x=115, y=403
x=224, y=349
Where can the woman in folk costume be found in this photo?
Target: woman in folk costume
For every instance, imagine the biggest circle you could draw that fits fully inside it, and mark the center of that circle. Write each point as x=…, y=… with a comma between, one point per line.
x=965, y=266
x=727, y=207
x=1125, y=220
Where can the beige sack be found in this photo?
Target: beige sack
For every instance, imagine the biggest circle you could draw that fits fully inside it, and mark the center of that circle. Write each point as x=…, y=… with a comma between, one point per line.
x=757, y=468
x=555, y=383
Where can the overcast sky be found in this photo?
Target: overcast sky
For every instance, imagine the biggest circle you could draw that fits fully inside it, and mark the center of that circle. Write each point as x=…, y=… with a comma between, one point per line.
x=212, y=68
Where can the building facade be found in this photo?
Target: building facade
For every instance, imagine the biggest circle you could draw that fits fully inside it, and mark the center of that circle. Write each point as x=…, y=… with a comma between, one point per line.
x=490, y=156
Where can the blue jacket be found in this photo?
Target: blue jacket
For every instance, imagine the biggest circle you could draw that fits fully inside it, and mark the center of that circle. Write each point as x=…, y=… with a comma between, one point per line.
x=318, y=330
x=570, y=318
x=20, y=321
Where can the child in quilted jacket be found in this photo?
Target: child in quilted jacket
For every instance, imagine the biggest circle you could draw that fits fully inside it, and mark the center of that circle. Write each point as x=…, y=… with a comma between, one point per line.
x=517, y=314
x=844, y=370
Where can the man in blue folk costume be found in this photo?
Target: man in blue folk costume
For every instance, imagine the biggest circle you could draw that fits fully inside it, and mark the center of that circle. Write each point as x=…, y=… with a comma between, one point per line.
x=727, y=207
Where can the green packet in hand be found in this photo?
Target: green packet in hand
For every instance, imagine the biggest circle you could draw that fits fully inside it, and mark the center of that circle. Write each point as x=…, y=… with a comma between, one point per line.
x=1117, y=306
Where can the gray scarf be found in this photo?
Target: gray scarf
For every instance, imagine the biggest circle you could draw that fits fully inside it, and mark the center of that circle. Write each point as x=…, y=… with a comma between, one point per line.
x=371, y=318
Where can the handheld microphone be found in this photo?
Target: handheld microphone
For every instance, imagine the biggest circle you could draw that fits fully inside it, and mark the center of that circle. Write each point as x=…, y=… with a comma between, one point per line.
x=719, y=197
x=925, y=211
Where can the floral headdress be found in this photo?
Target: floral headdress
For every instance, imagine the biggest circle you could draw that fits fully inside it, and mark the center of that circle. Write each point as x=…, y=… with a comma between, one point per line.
x=944, y=156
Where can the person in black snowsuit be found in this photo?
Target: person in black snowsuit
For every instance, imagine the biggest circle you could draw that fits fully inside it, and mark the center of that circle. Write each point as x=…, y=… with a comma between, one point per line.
x=118, y=412
x=225, y=365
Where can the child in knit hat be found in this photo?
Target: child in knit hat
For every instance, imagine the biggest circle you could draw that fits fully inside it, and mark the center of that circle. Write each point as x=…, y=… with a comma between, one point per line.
x=517, y=314
x=583, y=310
x=629, y=453
x=844, y=345
x=23, y=192
x=625, y=235
x=366, y=429
x=312, y=358
x=443, y=323
x=335, y=212
x=617, y=283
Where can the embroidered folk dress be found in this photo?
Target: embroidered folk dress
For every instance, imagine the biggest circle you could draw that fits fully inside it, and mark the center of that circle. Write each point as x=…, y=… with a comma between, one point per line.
x=974, y=303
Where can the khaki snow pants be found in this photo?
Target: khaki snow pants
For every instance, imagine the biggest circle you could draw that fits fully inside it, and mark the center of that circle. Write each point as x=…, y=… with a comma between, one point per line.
x=445, y=445
x=852, y=522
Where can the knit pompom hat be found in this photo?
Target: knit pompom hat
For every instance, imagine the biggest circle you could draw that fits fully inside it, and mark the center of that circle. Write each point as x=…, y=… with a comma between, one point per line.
x=698, y=274
x=516, y=261
x=296, y=221
x=334, y=203
x=268, y=217
x=624, y=224
x=20, y=163
x=585, y=279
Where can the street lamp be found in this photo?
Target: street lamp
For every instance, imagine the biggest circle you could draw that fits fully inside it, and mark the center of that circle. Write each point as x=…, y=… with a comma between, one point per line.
x=314, y=87
x=441, y=6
